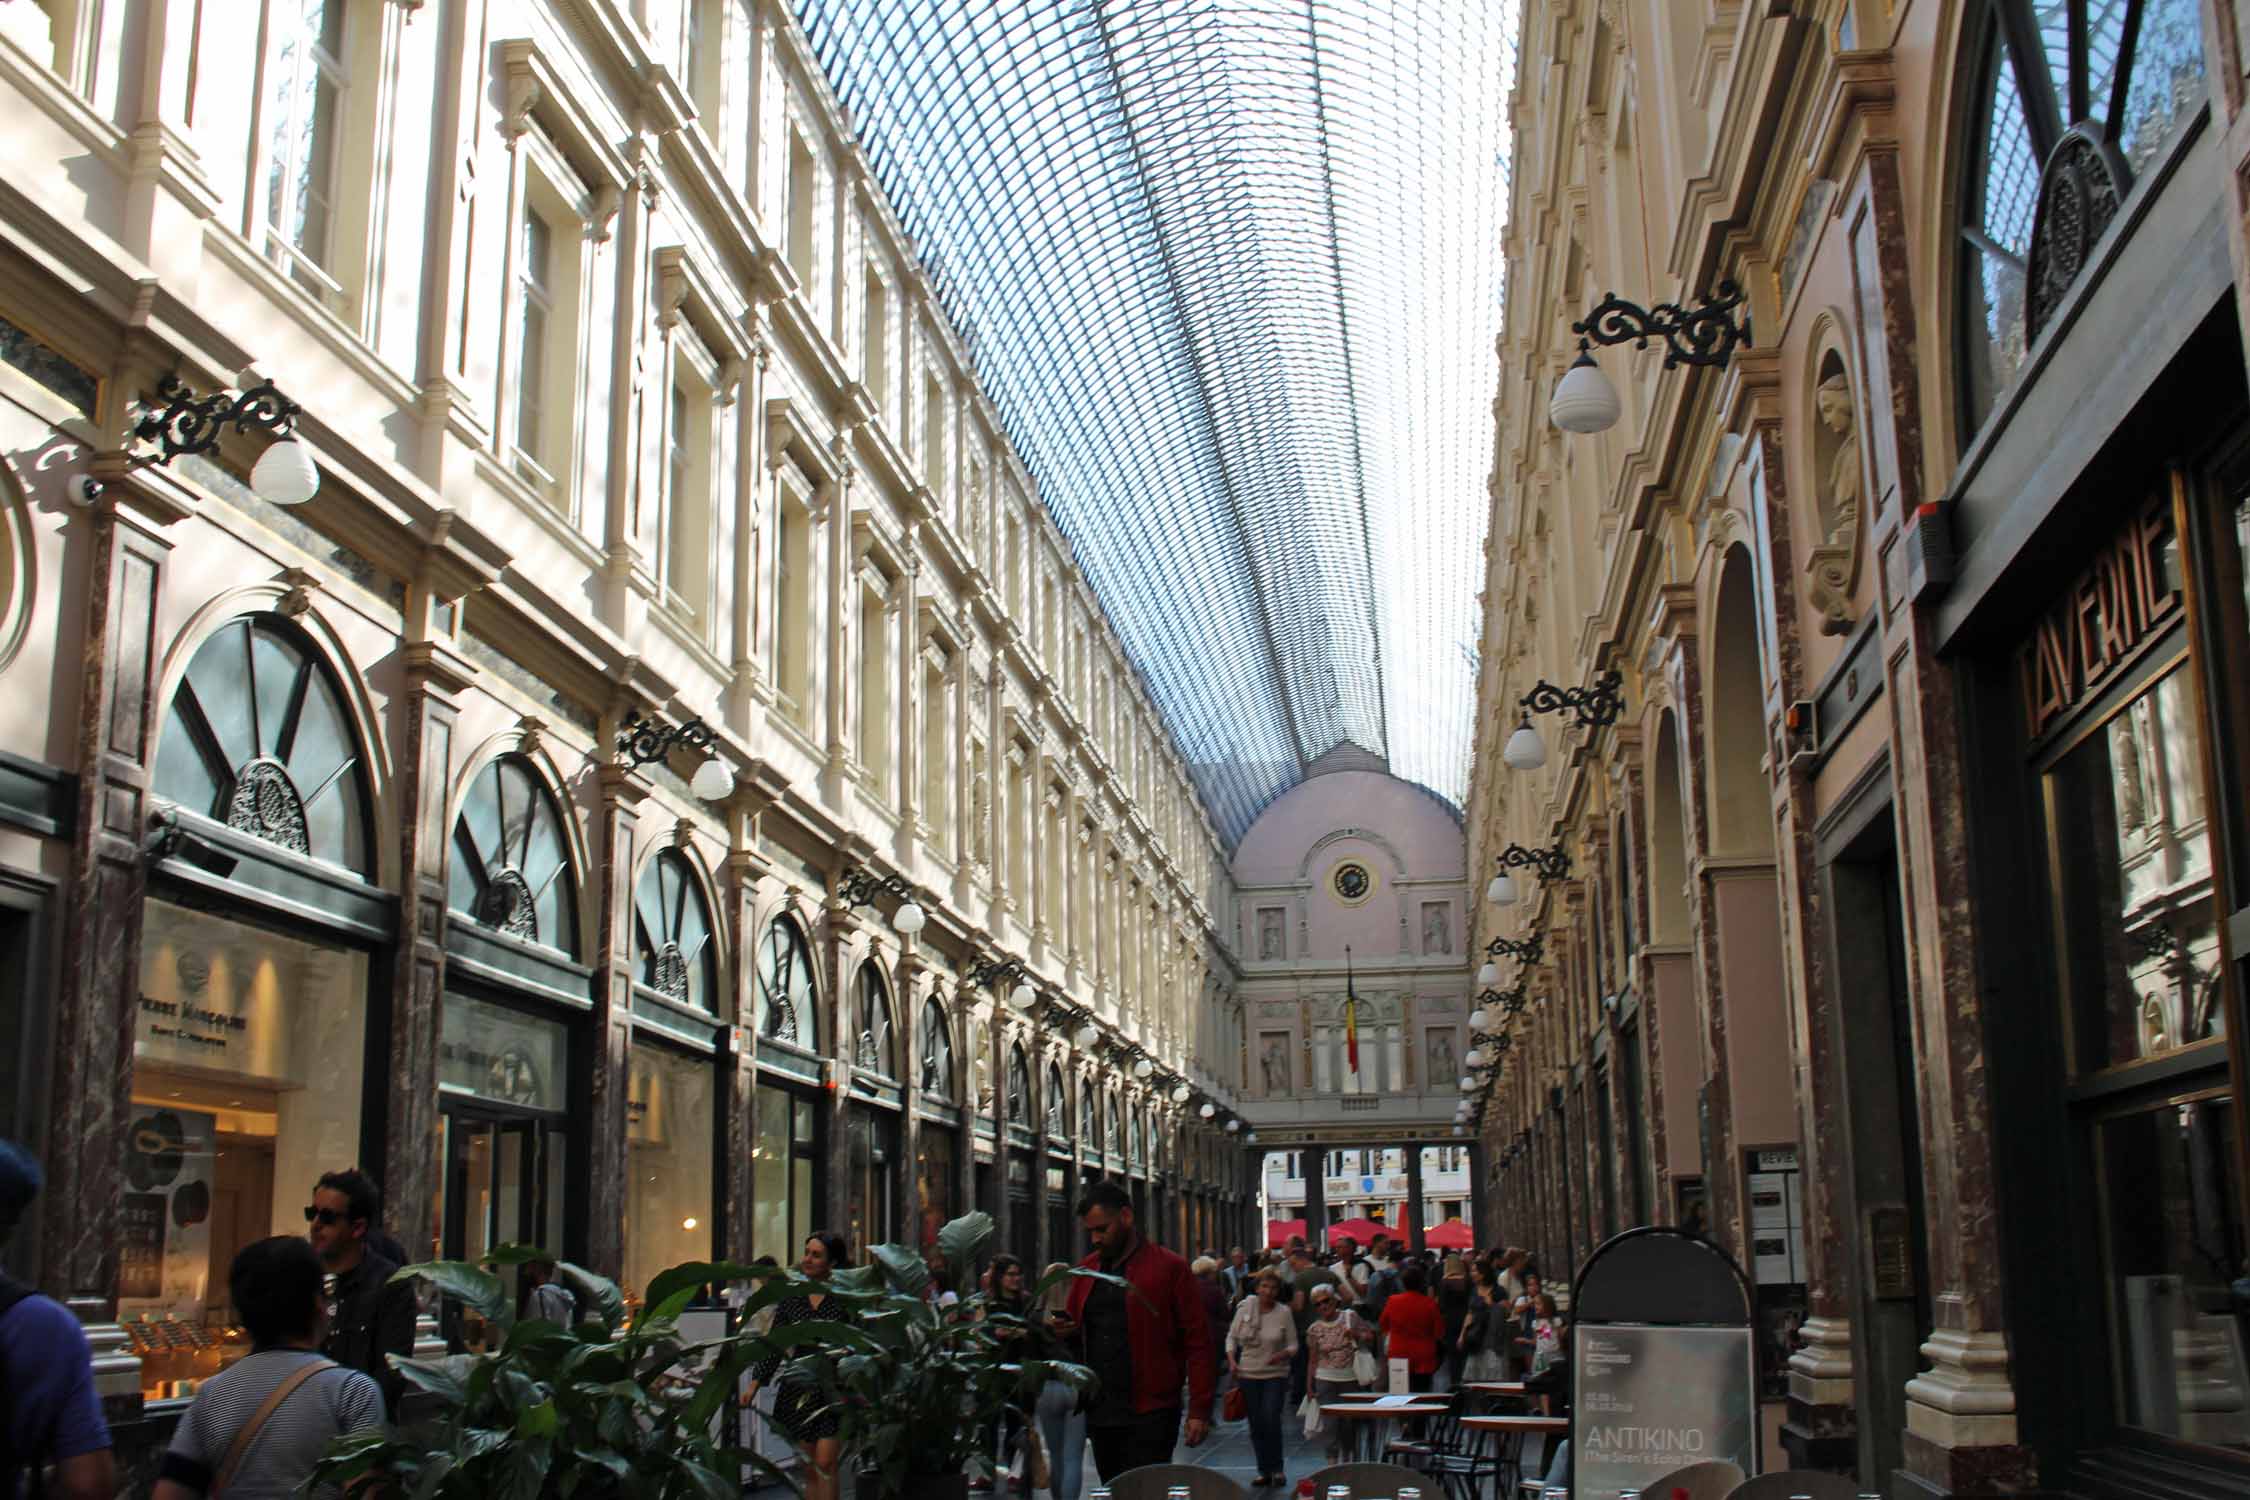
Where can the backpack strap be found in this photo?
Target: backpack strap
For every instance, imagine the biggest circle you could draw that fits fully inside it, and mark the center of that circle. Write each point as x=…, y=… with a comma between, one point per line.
x=257, y=1422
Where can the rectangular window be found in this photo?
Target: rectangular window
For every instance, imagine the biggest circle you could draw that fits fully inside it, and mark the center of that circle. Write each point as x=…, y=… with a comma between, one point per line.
x=304, y=104
x=792, y=602
x=1011, y=565
x=702, y=58
x=802, y=190
x=875, y=685
x=686, y=546
x=937, y=756
x=933, y=441
x=535, y=302
x=877, y=374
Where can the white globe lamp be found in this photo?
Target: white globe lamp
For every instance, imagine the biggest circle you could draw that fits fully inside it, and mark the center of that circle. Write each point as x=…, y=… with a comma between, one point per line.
x=1480, y=1020
x=713, y=782
x=1488, y=976
x=1208, y=1110
x=1086, y=1034
x=1584, y=400
x=1525, y=750
x=284, y=474
x=1020, y=997
x=1502, y=891
x=910, y=919
x=1143, y=1068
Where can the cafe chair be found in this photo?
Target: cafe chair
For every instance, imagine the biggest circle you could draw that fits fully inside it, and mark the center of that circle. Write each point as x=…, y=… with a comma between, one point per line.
x=1365, y=1479
x=1813, y=1484
x=1713, y=1479
x=1150, y=1481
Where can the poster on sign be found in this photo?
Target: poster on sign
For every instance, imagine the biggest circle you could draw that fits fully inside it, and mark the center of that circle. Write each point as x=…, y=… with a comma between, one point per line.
x=1653, y=1399
x=164, y=1239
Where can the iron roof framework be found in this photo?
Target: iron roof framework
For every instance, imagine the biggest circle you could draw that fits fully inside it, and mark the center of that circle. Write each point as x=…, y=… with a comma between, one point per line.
x=1231, y=272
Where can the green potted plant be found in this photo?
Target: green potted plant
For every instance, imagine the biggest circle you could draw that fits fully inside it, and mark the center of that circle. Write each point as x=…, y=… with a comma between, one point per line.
x=616, y=1410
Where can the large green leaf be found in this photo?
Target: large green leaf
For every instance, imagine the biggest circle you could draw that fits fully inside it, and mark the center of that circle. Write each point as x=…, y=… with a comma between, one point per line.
x=962, y=1241
x=473, y=1286
x=904, y=1266
x=597, y=1292
x=697, y=1273
x=447, y=1377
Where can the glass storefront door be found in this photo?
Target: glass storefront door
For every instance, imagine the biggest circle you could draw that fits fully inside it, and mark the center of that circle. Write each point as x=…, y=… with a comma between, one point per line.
x=504, y=1185
x=870, y=1215
x=785, y=1177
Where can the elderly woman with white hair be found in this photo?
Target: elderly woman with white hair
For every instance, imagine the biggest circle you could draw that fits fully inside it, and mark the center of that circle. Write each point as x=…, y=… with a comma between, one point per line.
x=1334, y=1338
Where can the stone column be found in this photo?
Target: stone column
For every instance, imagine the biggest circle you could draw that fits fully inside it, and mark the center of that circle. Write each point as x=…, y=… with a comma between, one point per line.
x=1411, y=1157
x=609, y=1032
x=1315, y=1158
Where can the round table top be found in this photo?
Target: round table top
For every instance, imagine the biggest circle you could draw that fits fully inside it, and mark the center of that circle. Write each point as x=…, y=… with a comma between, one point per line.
x=1370, y=1409
x=1494, y=1387
x=1514, y=1424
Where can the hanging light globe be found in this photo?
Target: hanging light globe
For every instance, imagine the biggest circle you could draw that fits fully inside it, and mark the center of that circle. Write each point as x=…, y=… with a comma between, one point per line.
x=1233, y=1126
x=284, y=474
x=1250, y=1138
x=1584, y=400
x=910, y=919
x=1086, y=1034
x=1180, y=1094
x=1479, y=1020
x=1020, y=997
x=1488, y=976
x=1467, y=1083
x=1208, y=1110
x=1143, y=1068
x=1525, y=750
x=1502, y=891
x=712, y=782
x=1475, y=1059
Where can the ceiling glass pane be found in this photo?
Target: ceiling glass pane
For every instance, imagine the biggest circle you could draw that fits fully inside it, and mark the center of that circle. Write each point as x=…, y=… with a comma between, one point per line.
x=1231, y=271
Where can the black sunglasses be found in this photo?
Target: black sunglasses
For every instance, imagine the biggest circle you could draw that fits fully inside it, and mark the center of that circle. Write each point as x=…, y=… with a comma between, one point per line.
x=322, y=1215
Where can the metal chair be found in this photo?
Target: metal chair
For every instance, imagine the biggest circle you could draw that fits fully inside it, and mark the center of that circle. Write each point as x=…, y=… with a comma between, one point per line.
x=1365, y=1479
x=1150, y=1481
x=1813, y=1484
x=1713, y=1479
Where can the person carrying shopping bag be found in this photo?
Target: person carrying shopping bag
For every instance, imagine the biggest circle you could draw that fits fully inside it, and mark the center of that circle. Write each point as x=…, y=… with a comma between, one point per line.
x=1337, y=1337
x=1261, y=1343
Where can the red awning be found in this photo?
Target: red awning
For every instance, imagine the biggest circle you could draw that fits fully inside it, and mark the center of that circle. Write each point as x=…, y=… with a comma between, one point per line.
x=1361, y=1231
x=1451, y=1235
x=1278, y=1231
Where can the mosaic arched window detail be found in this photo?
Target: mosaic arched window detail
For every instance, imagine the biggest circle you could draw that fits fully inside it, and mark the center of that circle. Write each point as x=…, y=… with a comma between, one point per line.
x=1089, y=1117
x=1115, y=1137
x=1136, y=1138
x=511, y=859
x=937, y=1052
x=1058, y=1103
x=1019, y=1087
x=788, y=1003
x=871, y=1023
x=672, y=933
x=258, y=737
x=2058, y=131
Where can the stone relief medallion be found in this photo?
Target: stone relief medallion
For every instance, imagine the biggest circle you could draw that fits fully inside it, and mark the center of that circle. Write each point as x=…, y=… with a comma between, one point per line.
x=1352, y=882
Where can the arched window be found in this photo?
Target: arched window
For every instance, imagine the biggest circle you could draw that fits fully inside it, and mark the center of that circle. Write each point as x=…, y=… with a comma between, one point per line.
x=511, y=861
x=258, y=738
x=1136, y=1137
x=2073, y=99
x=1019, y=1087
x=937, y=1052
x=1089, y=1117
x=871, y=1023
x=1058, y=1106
x=672, y=933
x=1116, y=1133
x=789, y=1009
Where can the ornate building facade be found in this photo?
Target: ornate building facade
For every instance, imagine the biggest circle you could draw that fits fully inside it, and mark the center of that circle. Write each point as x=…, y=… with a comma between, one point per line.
x=350, y=831
x=1894, y=932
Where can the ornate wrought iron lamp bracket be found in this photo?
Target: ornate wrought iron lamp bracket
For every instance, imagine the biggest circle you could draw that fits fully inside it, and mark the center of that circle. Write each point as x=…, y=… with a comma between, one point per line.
x=645, y=740
x=194, y=424
x=1529, y=949
x=997, y=971
x=1551, y=863
x=862, y=885
x=1705, y=334
x=1596, y=707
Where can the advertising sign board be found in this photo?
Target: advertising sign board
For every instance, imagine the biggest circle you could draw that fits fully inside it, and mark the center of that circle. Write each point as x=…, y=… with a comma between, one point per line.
x=1652, y=1399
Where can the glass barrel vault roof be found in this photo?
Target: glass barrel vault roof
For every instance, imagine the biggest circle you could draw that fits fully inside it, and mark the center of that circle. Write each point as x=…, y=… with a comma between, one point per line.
x=1231, y=272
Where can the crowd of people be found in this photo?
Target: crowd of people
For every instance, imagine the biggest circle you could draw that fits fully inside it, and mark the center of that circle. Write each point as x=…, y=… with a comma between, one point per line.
x=1162, y=1336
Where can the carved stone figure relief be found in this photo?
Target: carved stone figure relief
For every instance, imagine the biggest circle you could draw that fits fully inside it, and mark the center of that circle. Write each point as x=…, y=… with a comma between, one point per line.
x=1273, y=1062
x=1271, y=936
x=1833, y=570
x=1437, y=927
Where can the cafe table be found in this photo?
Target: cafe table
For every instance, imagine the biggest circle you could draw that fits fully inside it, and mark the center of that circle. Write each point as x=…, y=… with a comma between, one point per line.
x=1509, y=1433
x=1366, y=1434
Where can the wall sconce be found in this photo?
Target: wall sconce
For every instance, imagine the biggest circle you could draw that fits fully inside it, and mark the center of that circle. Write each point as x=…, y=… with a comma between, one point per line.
x=863, y=885
x=1525, y=950
x=1706, y=334
x=1595, y=707
x=993, y=971
x=1551, y=864
x=1208, y=1110
x=643, y=741
x=1488, y=976
x=284, y=473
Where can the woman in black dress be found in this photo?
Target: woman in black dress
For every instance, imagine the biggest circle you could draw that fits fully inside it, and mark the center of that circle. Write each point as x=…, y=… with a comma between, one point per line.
x=799, y=1409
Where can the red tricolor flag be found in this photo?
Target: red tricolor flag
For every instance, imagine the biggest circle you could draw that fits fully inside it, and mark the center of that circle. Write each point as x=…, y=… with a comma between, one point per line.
x=1351, y=1016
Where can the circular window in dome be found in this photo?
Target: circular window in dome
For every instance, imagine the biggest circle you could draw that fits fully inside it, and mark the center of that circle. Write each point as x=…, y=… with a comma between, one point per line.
x=1352, y=882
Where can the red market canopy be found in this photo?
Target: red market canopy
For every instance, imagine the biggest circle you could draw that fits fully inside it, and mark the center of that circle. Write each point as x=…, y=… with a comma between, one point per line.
x=1451, y=1235
x=1361, y=1231
x=1279, y=1230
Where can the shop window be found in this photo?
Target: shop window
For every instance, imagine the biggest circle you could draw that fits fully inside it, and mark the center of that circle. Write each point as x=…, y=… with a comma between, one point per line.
x=249, y=1050
x=2051, y=98
x=789, y=1003
x=511, y=858
x=673, y=948
x=937, y=1052
x=871, y=1024
x=258, y=737
x=784, y=1161
x=671, y=1140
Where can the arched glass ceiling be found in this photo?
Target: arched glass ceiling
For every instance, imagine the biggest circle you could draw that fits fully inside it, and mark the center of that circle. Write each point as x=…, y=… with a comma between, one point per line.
x=1231, y=271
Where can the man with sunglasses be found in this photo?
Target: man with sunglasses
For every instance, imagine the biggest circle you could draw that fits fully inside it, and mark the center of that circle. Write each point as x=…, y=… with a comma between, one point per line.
x=369, y=1315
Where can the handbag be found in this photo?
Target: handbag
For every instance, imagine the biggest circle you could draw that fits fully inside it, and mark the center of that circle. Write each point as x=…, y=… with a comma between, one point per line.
x=1309, y=1411
x=1363, y=1367
x=1237, y=1405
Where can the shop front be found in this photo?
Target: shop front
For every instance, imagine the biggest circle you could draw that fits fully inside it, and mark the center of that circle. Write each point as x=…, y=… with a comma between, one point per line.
x=937, y=1137
x=260, y=977
x=789, y=1199
x=871, y=1122
x=1022, y=1219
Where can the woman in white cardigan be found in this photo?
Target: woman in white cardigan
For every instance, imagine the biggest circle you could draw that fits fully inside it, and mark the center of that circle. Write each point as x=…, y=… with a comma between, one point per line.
x=1261, y=1342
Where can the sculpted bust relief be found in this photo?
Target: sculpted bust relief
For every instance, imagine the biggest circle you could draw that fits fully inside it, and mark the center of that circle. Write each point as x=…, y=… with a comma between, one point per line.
x=1833, y=570
x=1840, y=496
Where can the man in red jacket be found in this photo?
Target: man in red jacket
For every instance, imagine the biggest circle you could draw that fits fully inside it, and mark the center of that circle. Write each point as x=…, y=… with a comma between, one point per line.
x=1144, y=1340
